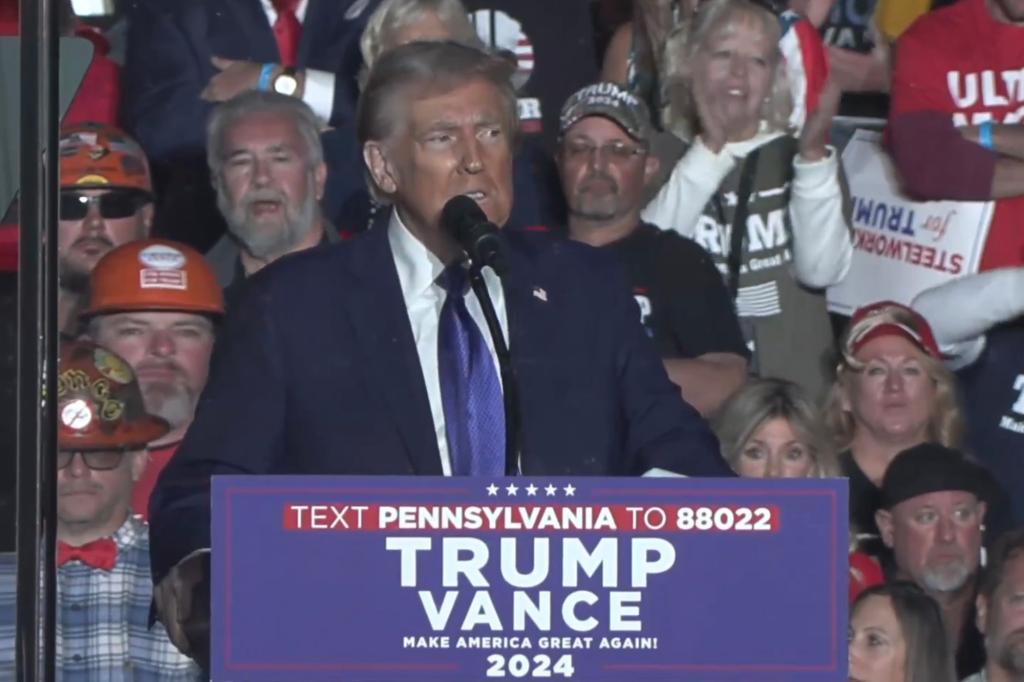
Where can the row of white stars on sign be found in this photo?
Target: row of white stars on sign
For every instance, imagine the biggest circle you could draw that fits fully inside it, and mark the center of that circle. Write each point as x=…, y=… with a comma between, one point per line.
x=512, y=490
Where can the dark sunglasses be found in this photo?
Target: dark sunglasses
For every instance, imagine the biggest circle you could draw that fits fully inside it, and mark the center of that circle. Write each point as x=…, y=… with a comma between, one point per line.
x=97, y=460
x=115, y=204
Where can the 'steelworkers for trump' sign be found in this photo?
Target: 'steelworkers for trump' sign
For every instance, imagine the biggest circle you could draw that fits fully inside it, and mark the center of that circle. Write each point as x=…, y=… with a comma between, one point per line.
x=901, y=246
x=470, y=579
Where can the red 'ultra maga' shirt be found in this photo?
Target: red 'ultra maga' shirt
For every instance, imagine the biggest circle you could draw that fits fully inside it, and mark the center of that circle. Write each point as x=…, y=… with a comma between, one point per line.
x=959, y=60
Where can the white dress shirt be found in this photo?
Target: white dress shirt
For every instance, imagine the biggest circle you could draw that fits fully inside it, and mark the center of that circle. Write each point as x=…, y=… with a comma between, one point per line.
x=418, y=270
x=319, y=89
x=822, y=246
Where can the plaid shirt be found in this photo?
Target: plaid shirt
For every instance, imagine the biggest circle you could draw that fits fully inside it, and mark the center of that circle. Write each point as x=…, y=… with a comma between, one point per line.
x=102, y=626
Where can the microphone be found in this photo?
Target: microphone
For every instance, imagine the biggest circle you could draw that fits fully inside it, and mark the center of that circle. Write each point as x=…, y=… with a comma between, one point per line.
x=464, y=220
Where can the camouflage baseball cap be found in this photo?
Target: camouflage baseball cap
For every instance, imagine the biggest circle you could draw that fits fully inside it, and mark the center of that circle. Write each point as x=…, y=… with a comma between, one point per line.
x=613, y=102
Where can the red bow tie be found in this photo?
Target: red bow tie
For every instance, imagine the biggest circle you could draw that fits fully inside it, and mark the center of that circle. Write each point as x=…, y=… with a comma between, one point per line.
x=100, y=553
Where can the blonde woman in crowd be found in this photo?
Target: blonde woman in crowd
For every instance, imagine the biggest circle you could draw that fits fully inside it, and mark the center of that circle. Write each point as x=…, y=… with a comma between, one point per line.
x=770, y=429
x=891, y=392
x=765, y=203
x=397, y=22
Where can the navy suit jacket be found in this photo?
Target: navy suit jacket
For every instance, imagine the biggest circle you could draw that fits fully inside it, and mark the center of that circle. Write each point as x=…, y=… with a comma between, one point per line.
x=316, y=372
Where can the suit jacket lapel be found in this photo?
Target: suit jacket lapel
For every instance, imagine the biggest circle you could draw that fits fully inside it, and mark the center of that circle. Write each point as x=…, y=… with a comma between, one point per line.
x=316, y=20
x=527, y=305
x=527, y=341
x=381, y=326
x=245, y=23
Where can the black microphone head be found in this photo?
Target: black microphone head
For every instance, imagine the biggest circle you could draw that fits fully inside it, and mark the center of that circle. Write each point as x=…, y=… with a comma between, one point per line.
x=460, y=217
x=464, y=220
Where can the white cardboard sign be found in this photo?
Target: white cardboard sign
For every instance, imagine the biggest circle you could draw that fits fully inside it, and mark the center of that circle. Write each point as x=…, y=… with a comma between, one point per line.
x=902, y=246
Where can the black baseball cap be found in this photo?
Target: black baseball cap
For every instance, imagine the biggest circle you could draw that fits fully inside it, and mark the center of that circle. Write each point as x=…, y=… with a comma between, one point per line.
x=931, y=468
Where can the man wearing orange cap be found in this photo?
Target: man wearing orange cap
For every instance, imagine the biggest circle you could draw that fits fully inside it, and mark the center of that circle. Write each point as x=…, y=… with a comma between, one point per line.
x=103, y=576
x=155, y=303
x=106, y=199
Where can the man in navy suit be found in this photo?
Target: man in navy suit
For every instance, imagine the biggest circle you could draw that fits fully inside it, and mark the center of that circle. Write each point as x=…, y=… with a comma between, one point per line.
x=351, y=358
x=184, y=57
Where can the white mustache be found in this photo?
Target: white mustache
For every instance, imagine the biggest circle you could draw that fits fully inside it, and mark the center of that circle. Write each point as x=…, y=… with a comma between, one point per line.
x=258, y=195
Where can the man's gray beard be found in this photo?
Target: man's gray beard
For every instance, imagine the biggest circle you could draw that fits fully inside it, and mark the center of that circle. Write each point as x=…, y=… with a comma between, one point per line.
x=597, y=209
x=174, y=403
x=950, y=578
x=594, y=216
x=266, y=245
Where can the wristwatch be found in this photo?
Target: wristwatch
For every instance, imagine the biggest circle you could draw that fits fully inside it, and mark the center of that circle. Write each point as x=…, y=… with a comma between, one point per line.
x=285, y=83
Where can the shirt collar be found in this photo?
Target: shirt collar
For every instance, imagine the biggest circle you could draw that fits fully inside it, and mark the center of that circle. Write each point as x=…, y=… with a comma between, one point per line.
x=130, y=533
x=418, y=267
x=761, y=138
x=300, y=9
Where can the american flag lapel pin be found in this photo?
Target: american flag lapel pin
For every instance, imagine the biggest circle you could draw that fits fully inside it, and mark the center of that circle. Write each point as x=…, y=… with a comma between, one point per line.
x=540, y=294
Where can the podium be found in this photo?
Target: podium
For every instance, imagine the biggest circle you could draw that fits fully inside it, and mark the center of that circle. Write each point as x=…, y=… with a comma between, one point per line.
x=464, y=579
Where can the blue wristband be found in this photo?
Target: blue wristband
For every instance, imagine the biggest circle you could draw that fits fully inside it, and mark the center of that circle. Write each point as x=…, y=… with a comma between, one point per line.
x=985, y=135
x=265, y=73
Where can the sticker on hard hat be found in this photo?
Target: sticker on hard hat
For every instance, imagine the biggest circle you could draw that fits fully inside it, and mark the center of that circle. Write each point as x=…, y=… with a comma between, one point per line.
x=111, y=366
x=92, y=180
x=124, y=146
x=76, y=415
x=79, y=138
x=71, y=380
x=111, y=410
x=163, y=279
x=162, y=257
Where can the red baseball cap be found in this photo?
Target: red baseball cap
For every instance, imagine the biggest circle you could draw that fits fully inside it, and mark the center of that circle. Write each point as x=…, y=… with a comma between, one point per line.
x=908, y=324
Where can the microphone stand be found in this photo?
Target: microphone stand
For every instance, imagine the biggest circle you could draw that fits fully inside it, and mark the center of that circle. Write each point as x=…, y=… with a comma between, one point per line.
x=510, y=394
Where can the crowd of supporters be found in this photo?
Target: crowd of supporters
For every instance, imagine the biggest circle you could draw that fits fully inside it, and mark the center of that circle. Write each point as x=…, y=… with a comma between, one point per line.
x=233, y=172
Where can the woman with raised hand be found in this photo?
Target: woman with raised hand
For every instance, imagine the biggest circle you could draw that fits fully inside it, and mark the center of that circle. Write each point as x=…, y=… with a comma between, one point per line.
x=746, y=168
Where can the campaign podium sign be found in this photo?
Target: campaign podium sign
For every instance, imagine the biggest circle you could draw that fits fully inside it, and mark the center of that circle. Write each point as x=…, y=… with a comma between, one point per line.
x=468, y=579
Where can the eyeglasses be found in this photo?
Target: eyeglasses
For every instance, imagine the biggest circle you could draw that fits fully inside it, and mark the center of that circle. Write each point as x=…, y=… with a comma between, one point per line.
x=114, y=204
x=615, y=152
x=97, y=460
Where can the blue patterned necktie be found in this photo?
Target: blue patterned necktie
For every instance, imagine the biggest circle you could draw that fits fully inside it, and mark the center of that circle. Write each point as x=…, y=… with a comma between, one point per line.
x=474, y=413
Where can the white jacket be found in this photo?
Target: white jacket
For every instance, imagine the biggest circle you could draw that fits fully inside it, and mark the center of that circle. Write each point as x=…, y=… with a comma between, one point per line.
x=962, y=311
x=822, y=247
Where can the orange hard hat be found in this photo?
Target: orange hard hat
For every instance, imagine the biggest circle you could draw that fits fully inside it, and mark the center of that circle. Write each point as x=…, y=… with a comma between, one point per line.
x=99, y=156
x=154, y=275
x=99, y=404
